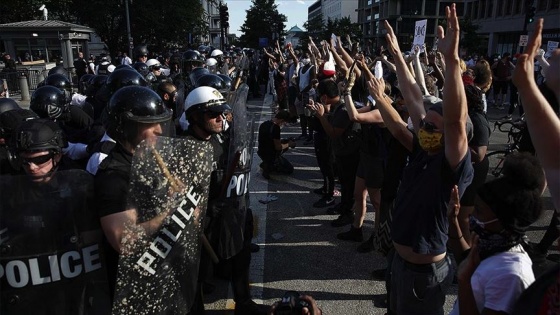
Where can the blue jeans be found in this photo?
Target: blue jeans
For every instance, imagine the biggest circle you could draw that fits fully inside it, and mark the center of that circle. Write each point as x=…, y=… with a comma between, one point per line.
x=419, y=289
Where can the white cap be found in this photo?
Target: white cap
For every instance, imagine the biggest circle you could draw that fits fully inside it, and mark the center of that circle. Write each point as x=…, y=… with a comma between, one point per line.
x=210, y=62
x=152, y=62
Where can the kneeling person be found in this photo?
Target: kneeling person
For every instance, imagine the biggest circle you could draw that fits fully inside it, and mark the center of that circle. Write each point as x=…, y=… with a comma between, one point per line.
x=271, y=146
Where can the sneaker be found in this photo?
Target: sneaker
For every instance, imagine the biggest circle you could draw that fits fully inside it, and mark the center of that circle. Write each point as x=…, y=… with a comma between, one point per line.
x=308, y=141
x=354, y=235
x=343, y=219
x=506, y=117
x=324, y=202
x=366, y=246
x=301, y=137
x=500, y=107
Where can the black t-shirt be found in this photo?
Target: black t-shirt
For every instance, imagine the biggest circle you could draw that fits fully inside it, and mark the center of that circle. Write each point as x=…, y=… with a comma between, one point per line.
x=268, y=132
x=76, y=124
x=481, y=130
x=80, y=65
x=111, y=186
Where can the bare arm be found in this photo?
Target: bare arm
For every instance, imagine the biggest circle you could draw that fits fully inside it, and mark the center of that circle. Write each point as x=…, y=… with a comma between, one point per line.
x=391, y=118
x=419, y=73
x=542, y=121
x=407, y=84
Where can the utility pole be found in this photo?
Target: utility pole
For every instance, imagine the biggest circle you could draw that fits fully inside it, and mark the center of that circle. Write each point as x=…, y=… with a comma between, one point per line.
x=130, y=42
x=224, y=24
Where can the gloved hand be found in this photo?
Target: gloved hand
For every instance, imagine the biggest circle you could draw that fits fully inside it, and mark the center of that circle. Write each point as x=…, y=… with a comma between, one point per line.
x=216, y=207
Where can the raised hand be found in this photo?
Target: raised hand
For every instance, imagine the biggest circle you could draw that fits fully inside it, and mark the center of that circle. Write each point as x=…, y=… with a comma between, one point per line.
x=392, y=41
x=448, y=43
x=523, y=75
x=376, y=88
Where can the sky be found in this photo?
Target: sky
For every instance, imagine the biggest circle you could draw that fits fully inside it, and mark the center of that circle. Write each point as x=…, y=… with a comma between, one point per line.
x=294, y=10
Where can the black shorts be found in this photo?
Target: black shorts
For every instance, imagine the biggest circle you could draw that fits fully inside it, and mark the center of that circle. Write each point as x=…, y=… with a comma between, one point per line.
x=372, y=169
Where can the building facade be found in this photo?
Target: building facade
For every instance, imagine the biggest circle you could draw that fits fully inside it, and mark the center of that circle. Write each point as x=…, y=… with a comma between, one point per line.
x=502, y=22
x=337, y=9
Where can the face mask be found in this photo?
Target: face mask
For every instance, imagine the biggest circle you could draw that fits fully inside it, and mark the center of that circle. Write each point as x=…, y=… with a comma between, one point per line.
x=430, y=141
x=305, y=61
x=491, y=243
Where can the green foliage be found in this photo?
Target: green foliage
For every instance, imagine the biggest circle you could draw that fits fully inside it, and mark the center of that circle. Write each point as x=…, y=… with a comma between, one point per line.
x=152, y=22
x=263, y=20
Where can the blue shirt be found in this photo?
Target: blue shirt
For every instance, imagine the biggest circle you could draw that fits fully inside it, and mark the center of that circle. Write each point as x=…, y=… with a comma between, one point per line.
x=420, y=214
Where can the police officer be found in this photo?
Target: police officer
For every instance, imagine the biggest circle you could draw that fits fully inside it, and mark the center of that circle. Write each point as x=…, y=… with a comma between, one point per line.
x=140, y=53
x=204, y=110
x=103, y=67
x=46, y=220
x=11, y=115
x=135, y=113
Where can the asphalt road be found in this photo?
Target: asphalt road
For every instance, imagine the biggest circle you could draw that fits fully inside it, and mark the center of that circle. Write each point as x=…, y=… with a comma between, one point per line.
x=299, y=249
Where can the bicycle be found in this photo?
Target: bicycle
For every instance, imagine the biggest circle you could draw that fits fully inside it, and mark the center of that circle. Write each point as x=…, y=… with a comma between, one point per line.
x=515, y=134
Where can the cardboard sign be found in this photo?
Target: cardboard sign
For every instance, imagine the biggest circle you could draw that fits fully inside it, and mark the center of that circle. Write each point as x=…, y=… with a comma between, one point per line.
x=419, y=33
x=523, y=40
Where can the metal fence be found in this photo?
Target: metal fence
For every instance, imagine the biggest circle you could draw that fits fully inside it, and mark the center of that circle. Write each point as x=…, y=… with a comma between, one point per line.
x=33, y=77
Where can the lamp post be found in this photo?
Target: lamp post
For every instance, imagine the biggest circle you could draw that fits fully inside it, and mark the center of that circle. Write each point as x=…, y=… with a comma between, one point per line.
x=130, y=44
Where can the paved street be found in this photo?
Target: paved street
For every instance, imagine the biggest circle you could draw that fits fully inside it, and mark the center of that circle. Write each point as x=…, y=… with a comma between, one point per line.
x=299, y=249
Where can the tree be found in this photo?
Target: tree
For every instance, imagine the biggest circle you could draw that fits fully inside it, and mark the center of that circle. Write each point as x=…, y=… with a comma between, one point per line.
x=314, y=26
x=263, y=20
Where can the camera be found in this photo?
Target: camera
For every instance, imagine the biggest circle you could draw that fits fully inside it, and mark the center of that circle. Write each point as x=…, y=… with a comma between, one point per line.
x=291, y=304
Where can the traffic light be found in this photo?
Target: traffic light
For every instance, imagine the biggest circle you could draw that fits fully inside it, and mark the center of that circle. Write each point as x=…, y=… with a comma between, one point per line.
x=224, y=16
x=530, y=14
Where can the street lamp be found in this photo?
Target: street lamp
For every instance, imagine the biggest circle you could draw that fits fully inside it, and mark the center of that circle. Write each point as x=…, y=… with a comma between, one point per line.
x=130, y=44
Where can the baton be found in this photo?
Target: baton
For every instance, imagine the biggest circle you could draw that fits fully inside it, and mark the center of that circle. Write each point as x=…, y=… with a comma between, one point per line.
x=177, y=185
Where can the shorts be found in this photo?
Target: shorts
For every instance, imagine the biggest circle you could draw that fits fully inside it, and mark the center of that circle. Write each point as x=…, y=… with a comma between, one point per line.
x=372, y=169
x=500, y=87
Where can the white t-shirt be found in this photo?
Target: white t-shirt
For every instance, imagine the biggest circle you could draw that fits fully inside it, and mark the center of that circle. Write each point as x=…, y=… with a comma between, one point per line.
x=499, y=280
x=97, y=157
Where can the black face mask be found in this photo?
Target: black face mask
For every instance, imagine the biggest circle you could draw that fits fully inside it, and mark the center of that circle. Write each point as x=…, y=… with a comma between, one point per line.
x=491, y=243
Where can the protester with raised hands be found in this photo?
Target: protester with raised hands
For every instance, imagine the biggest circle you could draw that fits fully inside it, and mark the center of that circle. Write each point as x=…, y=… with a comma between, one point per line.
x=420, y=267
x=542, y=121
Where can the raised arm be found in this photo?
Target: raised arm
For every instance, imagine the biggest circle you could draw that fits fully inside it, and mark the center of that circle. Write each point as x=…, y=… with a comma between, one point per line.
x=419, y=73
x=391, y=118
x=454, y=99
x=407, y=84
x=542, y=121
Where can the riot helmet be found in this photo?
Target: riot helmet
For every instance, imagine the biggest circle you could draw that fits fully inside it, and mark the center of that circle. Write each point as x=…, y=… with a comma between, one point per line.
x=153, y=63
x=210, y=80
x=48, y=102
x=228, y=82
x=123, y=66
x=191, y=59
x=124, y=77
x=10, y=121
x=197, y=73
x=203, y=49
x=203, y=99
x=211, y=62
x=59, y=80
x=39, y=135
x=7, y=104
x=58, y=69
x=133, y=105
x=84, y=83
x=95, y=83
x=140, y=51
x=141, y=67
x=216, y=53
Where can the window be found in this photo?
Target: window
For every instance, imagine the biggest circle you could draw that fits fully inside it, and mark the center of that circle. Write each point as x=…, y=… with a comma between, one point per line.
x=490, y=9
x=541, y=5
x=482, y=9
x=554, y=4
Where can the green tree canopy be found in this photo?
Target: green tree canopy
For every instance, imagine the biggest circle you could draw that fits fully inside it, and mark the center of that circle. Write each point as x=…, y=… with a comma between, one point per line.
x=152, y=22
x=263, y=20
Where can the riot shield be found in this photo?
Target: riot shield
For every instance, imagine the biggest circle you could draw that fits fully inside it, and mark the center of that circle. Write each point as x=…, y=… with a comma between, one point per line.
x=160, y=252
x=228, y=236
x=51, y=258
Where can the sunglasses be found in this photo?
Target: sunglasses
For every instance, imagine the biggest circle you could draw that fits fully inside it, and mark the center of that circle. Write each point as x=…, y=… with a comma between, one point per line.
x=428, y=126
x=213, y=114
x=38, y=160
